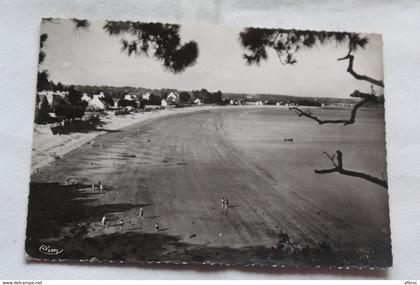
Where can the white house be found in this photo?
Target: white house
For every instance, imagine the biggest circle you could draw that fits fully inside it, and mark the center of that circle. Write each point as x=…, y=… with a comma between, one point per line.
x=86, y=98
x=100, y=95
x=47, y=94
x=62, y=93
x=173, y=98
x=197, y=101
x=51, y=94
x=53, y=97
x=129, y=97
x=116, y=100
x=96, y=104
x=145, y=96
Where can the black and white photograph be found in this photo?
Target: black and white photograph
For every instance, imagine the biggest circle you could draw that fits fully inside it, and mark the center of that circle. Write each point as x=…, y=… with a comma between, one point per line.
x=208, y=145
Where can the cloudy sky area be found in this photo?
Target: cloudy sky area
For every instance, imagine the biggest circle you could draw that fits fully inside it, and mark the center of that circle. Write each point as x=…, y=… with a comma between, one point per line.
x=93, y=57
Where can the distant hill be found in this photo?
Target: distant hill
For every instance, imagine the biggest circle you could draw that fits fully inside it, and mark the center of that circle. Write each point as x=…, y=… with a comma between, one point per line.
x=274, y=98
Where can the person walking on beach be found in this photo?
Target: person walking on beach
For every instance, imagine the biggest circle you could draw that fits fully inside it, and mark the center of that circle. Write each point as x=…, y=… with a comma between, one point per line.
x=101, y=187
x=222, y=203
x=93, y=186
x=103, y=221
x=157, y=227
x=121, y=223
x=141, y=213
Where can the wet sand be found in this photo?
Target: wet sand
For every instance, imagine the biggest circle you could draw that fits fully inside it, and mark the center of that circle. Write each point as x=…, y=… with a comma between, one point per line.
x=185, y=163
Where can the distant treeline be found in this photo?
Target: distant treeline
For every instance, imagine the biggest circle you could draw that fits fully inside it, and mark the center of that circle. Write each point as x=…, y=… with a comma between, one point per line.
x=206, y=96
x=272, y=99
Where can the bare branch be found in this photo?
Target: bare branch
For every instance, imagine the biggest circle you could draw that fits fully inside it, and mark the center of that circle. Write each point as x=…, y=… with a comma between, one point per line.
x=383, y=175
x=366, y=98
x=330, y=157
x=350, y=70
x=338, y=167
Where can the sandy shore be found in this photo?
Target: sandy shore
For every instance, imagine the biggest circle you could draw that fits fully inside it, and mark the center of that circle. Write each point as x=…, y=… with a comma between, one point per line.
x=46, y=146
x=178, y=168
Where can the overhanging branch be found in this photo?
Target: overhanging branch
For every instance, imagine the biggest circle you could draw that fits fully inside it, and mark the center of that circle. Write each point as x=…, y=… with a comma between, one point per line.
x=365, y=96
x=338, y=167
x=350, y=70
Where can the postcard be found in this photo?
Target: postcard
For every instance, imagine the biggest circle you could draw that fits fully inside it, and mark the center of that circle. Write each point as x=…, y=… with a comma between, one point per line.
x=189, y=144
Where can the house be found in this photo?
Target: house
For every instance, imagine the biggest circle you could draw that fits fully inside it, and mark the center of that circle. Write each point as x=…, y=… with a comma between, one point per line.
x=96, y=103
x=62, y=94
x=145, y=96
x=41, y=100
x=130, y=97
x=100, y=95
x=53, y=97
x=115, y=102
x=41, y=109
x=86, y=98
x=197, y=101
x=173, y=98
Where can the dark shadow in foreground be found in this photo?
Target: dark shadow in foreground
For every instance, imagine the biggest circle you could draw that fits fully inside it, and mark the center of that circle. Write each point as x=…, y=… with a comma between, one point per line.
x=53, y=207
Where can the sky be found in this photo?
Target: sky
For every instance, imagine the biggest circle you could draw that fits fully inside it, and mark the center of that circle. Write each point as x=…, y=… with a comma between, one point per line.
x=93, y=57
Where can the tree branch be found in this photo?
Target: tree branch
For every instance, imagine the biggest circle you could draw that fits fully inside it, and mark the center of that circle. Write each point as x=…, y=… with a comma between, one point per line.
x=365, y=96
x=350, y=70
x=338, y=167
x=331, y=157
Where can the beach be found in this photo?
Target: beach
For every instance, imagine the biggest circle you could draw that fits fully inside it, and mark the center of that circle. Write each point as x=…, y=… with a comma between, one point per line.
x=178, y=166
x=46, y=146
